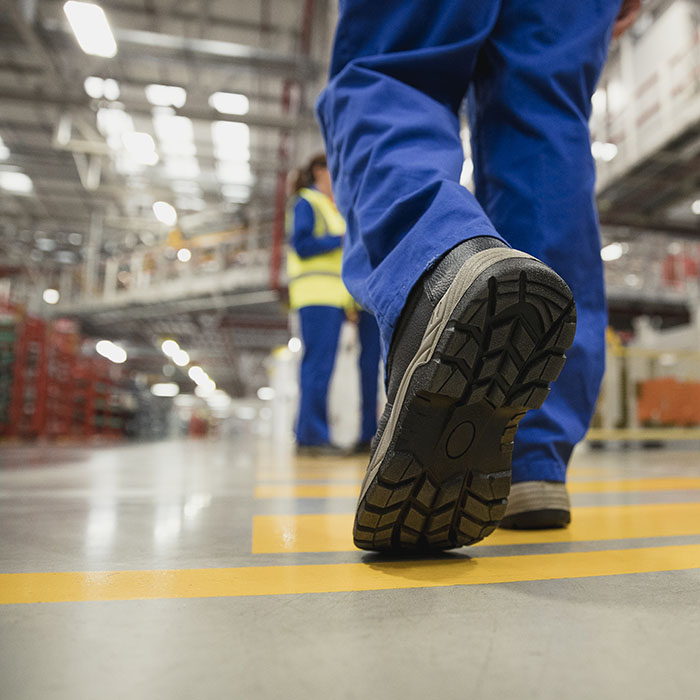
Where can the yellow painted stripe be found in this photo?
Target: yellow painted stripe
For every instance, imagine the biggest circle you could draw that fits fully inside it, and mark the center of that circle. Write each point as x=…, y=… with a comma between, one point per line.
x=662, y=434
x=289, y=491
x=327, y=578
x=323, y=475
x=323, y=472
x=332, y=532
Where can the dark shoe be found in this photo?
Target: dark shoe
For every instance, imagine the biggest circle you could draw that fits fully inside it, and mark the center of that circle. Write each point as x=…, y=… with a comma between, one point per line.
x=537, y=505
x=481, y=336
x=363, y=448
x=321, y=451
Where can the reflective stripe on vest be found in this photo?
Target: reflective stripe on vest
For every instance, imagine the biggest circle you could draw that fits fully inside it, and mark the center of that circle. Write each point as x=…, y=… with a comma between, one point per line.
x=316, y=281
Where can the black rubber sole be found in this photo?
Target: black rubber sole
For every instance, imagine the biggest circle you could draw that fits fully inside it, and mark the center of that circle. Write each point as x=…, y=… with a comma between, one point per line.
x=445, y=477
x=545, y=519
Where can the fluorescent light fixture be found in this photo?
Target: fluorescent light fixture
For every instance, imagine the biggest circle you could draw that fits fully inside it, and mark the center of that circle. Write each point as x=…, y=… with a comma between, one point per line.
x=205, y=390
x=236, y=193
x=97, y=88
x=169, y=347
x=611, y=252
x=113, y=122
x=603, y=151
x=234, y=173
x=218, y=400
x=181, y=358
x=51, y=296
x=16, y=182
x=181, y=167
x=75, y=238
x=165, y=213
x=91, y=28
x=170, y=127
x=599, y=102
x=166, y=95
x=231, y=141
x=165, y=389
x=229, y=103
x=294, y=344
x=245, y=412
x=197, y=374
x=695, y=207
x=184, y=255
x=112, y=351
x=141, y=147
x=266, y=393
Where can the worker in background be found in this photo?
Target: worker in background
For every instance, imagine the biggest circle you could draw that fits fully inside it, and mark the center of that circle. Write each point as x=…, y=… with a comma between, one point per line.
x=315, y=232
x=473, y=330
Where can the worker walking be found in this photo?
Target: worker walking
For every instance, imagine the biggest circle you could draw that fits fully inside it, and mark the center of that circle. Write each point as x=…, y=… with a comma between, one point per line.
x=474, y=330
x=316, y=231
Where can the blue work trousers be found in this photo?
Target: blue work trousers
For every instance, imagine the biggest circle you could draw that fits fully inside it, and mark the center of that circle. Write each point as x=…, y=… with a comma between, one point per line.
x=400, y=71
x=320, y=330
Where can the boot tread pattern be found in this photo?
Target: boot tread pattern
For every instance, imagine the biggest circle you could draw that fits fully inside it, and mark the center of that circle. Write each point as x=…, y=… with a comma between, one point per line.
x=445, y=478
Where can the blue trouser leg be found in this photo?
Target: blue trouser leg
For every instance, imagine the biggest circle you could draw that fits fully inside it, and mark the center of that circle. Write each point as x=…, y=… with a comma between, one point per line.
x=400, y=69
x=320, y=330
x=399, y=72
x=529, y=106
x=369, y=373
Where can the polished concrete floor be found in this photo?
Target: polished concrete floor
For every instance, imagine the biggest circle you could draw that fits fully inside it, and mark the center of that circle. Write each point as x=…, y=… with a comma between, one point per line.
x=219, y=569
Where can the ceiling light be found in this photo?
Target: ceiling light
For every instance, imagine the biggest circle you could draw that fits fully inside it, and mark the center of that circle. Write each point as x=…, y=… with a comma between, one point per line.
x=141, y=147
x=611, y=252
x=181, y=358
x=113, y=122
x=695, y=207
x=294, y=344
x=14, y=181
x=4, y=150
x=91, y=28
x=184, y=255
x=112, y=351
x=266, y=393
x=169, y=347
x=229, y=103
x=182, y=167
x=599, y=102
x=166, y=389
x=219, y=399
x=75, y=238
x=100, y=87
x=197, y=374
x=205, y=390
x=170, y=127
x=603, y=151
x=234, y=173
x=166, y=95
x=165, y=213
x=231, y=140
x=236, y=193
x=51, y=296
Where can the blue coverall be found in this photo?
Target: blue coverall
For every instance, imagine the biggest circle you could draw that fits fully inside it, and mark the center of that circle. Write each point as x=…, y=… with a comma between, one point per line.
x=320, y=330
x=400, y=71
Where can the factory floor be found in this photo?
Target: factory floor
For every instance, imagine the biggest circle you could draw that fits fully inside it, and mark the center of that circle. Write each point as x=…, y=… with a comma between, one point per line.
x=225, y=569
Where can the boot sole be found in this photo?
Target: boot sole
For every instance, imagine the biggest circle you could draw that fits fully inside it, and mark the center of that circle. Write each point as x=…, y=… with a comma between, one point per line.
x=439, y=477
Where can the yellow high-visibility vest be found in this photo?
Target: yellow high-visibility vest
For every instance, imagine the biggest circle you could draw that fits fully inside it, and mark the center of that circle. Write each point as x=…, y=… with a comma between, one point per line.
x=316, y=281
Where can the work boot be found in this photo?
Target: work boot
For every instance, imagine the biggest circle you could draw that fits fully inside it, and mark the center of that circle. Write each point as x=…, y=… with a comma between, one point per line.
x=537, y=505
x=480, y=338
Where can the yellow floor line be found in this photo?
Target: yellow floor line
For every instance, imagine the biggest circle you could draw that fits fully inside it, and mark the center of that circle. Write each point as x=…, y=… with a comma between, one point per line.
x=293, y=491
x=327, y=578
x=332, y=532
